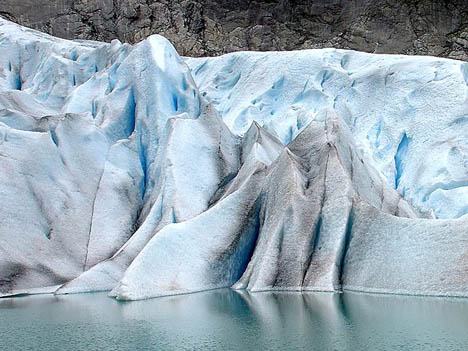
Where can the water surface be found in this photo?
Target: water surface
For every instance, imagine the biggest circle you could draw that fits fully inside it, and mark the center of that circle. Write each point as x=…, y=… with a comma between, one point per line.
x=230, y=320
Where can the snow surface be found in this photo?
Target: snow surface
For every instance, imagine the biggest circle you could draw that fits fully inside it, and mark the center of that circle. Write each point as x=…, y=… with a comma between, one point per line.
x=132, y=170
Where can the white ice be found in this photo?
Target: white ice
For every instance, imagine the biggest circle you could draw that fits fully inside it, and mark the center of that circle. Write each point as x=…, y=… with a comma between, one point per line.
x=132, y=170
x=408, y=114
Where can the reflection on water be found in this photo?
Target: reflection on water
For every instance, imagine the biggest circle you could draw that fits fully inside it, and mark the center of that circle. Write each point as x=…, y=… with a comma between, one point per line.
x=230, y=320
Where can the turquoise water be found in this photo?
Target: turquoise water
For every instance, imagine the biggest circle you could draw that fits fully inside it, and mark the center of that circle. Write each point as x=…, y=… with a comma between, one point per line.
x=230, y=320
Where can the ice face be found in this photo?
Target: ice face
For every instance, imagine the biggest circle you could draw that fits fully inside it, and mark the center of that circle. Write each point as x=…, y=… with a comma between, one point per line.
x=426, y=256
x=308, y=204
x=91, y=124
x=408, y=115
x=307, y=170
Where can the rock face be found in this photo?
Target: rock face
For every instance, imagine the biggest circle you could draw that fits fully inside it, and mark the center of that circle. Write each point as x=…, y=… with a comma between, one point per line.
x=132, y=170
x=207, y=27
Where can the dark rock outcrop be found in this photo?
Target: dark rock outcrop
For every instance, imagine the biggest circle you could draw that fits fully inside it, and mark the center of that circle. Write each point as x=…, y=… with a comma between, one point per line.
x=207, y=27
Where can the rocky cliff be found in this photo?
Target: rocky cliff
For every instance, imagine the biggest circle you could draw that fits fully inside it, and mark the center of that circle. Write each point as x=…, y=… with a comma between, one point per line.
x=207, y=27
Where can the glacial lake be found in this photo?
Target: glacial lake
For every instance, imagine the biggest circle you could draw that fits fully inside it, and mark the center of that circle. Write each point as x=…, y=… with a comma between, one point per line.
x=229, y=320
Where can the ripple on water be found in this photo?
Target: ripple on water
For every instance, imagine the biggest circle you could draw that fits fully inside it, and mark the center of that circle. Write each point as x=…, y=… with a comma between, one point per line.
x=232, y=320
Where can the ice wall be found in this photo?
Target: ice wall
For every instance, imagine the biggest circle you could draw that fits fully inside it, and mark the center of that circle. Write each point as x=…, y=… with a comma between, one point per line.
x=307, y=170
x=407, y=114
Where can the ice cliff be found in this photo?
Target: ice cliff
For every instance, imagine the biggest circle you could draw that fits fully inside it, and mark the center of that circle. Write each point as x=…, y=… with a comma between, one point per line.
x=132, y=170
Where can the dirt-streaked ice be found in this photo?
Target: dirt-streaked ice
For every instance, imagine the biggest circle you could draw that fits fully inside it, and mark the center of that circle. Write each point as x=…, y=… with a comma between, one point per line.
x=132, y=170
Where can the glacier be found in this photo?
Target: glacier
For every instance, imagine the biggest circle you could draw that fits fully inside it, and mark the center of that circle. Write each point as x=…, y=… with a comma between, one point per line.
x=133, y=170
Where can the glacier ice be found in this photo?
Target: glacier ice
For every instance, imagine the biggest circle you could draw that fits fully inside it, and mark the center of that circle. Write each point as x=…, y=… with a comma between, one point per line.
x=386, y=100
x=132, y=170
